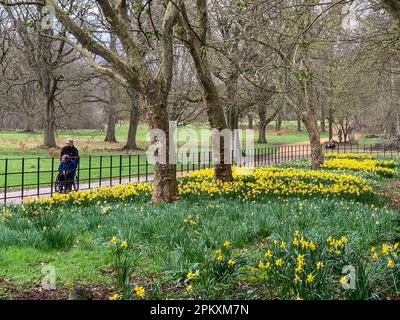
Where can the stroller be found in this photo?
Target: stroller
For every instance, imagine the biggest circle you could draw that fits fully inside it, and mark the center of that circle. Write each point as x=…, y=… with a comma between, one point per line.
x=67, y=179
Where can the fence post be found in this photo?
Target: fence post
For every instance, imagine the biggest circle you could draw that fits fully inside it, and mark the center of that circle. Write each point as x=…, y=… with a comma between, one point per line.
x=129, y=169
x=138, y=168
x=79, y=171
x=22, y=178
x=199, y=162
x=101, y=170
x=90, y=172
x=264, y=155
x=38, y=177
x=120, y=168
x=147, y=170
x=52, y=177
x=5, y=180
x=111, y=171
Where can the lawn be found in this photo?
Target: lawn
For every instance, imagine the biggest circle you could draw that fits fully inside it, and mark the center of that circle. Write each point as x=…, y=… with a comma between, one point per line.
x=15, y=144
x=363, y=140
x=246, y=240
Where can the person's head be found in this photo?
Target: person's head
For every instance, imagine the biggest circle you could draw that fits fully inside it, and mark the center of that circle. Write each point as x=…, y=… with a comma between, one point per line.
x=65, y=158
x=69, y=142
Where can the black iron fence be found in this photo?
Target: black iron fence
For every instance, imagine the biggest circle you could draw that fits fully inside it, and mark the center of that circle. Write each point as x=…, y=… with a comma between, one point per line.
x=35, y=177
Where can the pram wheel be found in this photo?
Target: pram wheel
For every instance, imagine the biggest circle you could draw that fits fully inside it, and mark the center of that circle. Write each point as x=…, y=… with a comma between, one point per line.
x=64, y=186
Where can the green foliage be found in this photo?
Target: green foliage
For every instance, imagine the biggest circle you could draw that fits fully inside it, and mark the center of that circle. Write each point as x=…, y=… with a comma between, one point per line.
x=125, y=260
x=305, y=74
x=177, y=238
x=210, y=248
x=241, y=4
x=136, y=6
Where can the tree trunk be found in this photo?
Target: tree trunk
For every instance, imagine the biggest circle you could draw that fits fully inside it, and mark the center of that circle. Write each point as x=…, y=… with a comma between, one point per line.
x=111, y=124
x=299, y=124
x=262, y=133
x=133, y=125
x=222, y=170
x=112, y=106
x=250, y=118
x=311, y=124
x=232, y=117
x=29, y=119
x=212, y=100
x=330, y=124
x=278, y=122
x=262, y=126
x=133, y=121
x=232, y=114
x=49, y=138
x=264, y=122
x=323, y=124
x=165, y=182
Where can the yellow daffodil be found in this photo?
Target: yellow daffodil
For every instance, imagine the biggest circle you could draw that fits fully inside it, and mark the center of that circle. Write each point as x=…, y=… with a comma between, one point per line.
x=113, y=297
x=189, y=288
x=114, y=240
x=343, y=280
x=191, y=275
x=268, y=254
x=139, y=291
x=278, y=262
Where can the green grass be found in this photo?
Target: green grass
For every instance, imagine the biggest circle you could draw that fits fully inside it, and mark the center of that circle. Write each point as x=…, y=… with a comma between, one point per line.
x=70, y=239
x=18, y=143
x=370, y=141
x=73, y=266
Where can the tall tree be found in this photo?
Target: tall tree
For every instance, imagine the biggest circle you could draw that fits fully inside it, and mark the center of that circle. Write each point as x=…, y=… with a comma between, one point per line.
x=194, y=34
x=132, y=70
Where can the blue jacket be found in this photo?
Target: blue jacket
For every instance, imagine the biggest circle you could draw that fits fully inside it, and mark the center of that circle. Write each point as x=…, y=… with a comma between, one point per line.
x=68, y=166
